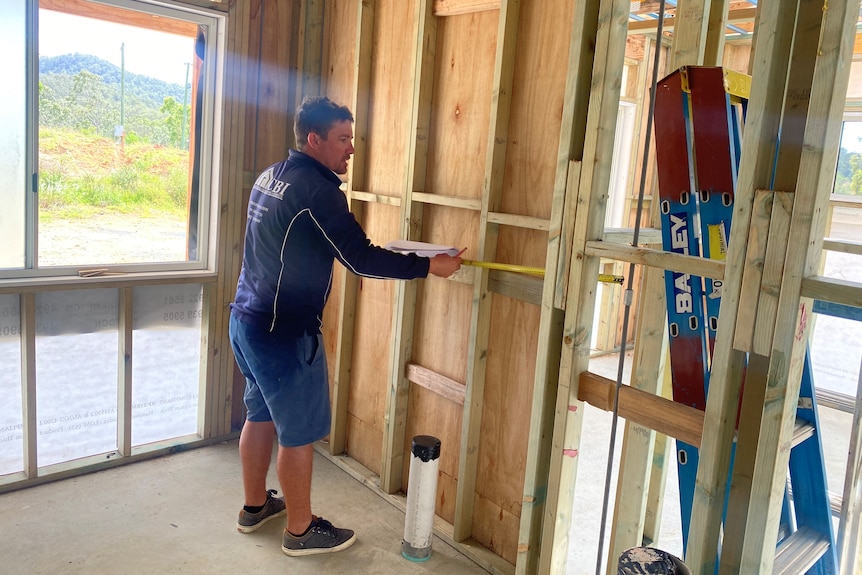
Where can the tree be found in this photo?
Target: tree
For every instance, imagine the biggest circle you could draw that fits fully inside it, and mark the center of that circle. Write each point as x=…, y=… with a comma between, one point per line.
x=176, y=116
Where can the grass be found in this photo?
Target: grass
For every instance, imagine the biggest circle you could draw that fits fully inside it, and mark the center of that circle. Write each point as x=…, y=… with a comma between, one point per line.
x=83, y=174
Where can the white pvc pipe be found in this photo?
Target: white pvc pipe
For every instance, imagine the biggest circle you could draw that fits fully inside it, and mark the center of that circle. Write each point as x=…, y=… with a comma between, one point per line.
x=421, y=498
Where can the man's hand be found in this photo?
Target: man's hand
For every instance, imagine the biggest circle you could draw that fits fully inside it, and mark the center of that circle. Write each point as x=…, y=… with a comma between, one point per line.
x=444, y=265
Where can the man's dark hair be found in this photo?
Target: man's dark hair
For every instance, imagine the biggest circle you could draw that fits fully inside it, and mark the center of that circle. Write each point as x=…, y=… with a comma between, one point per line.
x=317, y=115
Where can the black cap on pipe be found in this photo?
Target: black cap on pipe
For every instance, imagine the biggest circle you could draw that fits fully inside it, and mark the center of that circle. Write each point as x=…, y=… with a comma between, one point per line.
x=426, y=447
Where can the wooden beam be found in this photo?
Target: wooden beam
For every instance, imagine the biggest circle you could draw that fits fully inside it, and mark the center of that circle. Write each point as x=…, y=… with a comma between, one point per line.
x=480, y=316
x=456, y=7
x=452, y=201
x=516, y=285
x=87, y=9
x=755, y=172
x=371, y=198
x=546, y=383
x=773, y=269
x=439, y=384
x=29, y=429
x=828, y=87
x=832, y=290
x=752, y=272
x=598, y=137
x=124, y=371
x=231, y=209
x=850, y=517
x=527, y=222
x=403, y=316
x=345, y=333
x=569, y=194
x=653, y=411
x=657, y=258
x=844, y=246
x=717, y=20
x=737, y=16
x=636, y=457
x=690, y=32
x=310, y=57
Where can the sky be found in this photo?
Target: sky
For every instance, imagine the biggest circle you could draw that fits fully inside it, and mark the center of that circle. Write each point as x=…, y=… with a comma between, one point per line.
x=147, y=52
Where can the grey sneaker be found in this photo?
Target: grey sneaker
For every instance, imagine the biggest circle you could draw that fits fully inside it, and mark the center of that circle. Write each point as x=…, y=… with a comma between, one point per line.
x=321, y=537
x=274, y=507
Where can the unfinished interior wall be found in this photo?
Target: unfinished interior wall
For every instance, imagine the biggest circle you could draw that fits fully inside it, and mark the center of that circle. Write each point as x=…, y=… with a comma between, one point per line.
x=446, y=207
x=459, y=142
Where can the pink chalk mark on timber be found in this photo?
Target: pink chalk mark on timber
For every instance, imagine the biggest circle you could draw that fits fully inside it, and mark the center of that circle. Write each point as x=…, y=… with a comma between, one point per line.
x=803, y=322
x=570, y=452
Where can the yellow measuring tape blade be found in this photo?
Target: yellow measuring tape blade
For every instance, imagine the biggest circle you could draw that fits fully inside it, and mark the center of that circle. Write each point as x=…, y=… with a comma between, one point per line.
x=607, y=278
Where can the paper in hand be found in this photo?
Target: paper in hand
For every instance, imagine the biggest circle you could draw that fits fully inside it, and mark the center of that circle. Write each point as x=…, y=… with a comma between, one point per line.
x=420, y=248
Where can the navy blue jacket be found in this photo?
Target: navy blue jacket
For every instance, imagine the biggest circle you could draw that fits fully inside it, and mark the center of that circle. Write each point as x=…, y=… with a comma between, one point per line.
x=298, y=222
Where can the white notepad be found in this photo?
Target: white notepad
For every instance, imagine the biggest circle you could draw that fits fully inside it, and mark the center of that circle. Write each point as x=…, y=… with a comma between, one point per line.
x=420, y=248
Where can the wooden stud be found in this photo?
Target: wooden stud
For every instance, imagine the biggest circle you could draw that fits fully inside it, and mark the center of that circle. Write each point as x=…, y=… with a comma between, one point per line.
x=480, y=317
x=663, y=456
x=219, y=380
x=850, y=519
x=403, y=317
x=569, y=194
x=816, y=169
x=773, y=268
x=717, y=20
x=761, y=130
x=752, y=272
x=356, y=179
x=636, y=458
x=795, y=113
x=29, y=430
x=592, y=195
x=541, y=478
x=690, y=33
x=124, y=371
x=310, y=56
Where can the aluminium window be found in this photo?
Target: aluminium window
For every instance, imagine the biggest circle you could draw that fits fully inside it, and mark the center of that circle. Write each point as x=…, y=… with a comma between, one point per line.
x=109, y=146
x=110, y=123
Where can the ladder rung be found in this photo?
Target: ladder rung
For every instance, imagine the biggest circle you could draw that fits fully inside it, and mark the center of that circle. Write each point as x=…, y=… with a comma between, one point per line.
x=799, y=552
x=801, y=431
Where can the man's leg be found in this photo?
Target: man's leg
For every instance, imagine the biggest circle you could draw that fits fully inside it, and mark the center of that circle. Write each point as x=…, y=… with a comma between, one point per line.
x=294, y=473
x=255, y=452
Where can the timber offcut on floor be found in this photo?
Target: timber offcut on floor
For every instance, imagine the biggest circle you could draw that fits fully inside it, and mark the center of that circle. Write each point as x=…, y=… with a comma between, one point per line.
x=177, y=514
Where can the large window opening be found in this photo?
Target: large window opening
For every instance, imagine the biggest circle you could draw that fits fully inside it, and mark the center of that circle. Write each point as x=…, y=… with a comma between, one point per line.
x=109, y=115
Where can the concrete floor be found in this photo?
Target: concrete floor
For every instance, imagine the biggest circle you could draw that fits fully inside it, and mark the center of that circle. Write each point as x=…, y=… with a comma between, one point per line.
x=177, y=514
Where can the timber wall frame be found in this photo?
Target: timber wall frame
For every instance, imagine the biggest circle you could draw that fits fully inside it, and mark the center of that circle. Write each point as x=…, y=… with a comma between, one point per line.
x=451, y=138
x=403, y=69
x=490, y=125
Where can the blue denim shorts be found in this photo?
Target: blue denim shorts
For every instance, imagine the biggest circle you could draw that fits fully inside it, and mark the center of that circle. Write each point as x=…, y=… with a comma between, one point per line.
x=286, y=381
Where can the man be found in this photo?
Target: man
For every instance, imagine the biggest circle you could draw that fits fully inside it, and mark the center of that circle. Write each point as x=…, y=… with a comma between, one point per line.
x=298, y=223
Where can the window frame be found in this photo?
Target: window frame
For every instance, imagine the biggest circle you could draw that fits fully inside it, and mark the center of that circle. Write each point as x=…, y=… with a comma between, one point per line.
x=210, y=134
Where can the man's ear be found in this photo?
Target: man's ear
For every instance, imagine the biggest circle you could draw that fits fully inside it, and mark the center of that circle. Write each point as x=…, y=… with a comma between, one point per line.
x=314, y=140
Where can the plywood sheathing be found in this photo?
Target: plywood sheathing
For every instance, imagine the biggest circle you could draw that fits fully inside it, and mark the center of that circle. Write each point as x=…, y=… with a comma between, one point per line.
x=458, y=182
